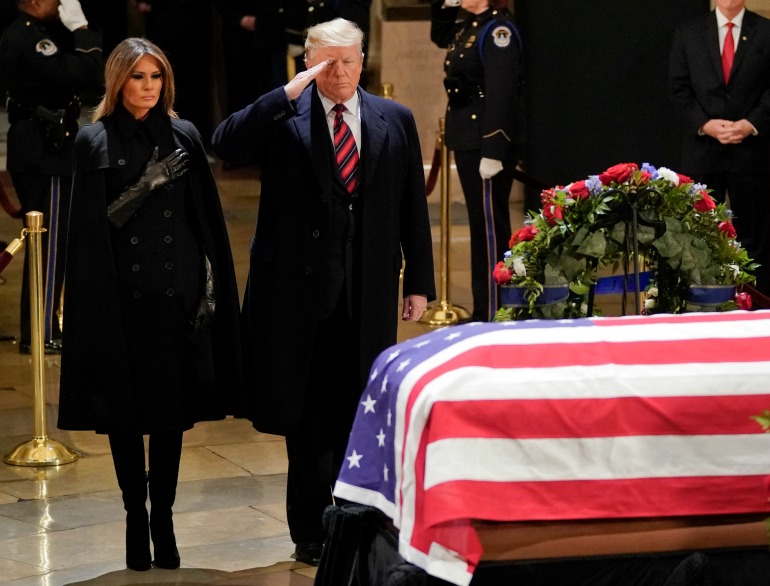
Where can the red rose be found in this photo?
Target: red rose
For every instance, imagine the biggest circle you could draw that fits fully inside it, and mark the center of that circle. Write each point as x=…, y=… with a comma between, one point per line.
x=706, y=203
x=728, y=228
x=743, y=301
x=618, y=173
x=683, y=179
x=552, y=214
x=579, y=190
x=502, y=274
x=644, y=177
x=522, y=235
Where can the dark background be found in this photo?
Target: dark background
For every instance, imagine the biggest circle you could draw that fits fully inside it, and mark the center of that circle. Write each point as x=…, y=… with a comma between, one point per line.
x=596, y=85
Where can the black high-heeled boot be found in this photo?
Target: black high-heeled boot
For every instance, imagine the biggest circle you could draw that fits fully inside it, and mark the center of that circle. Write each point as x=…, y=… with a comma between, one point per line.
x=165, y=452
x=128, y=457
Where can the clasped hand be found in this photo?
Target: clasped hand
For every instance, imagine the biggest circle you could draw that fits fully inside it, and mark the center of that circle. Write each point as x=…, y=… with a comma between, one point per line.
x=728, y=131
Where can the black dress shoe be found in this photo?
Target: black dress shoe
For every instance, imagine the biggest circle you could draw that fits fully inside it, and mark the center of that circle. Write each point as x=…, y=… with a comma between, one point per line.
x=308, y=552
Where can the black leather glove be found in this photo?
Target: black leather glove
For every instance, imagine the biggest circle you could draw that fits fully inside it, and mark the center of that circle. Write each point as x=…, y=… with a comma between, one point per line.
x=156, y=174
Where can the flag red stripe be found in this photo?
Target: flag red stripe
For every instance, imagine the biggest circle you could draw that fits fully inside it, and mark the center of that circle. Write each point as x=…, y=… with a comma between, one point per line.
x=624, y=416
x=591, y=499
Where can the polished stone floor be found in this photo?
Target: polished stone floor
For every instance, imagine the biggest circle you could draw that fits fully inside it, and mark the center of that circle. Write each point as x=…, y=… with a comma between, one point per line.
x=64, y=525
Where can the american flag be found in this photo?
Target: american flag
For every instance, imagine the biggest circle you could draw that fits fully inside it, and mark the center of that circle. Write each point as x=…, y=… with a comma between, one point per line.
x=556, y=420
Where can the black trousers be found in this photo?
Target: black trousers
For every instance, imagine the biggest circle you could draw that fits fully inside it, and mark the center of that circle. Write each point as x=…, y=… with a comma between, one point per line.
x=49, y=195
x=749, y=195
x=490, y=228
x=316, y=450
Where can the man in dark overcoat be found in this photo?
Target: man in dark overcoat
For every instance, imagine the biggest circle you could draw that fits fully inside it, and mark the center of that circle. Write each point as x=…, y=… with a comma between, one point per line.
x=726, y=113
x=323, y=285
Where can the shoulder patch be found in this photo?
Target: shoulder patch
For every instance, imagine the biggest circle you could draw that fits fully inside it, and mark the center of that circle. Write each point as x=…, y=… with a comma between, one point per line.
x=501, y=35
x=46, y=47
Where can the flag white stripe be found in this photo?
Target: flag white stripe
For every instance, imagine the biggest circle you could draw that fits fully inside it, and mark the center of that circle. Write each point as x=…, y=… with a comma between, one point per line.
x=603, y=381
x=601, y=458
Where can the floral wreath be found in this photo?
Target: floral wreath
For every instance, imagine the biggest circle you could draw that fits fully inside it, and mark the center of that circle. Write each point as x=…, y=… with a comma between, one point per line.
x=626, y=213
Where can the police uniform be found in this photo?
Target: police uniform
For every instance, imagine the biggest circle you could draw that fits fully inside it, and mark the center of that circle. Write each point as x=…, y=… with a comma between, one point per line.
x=44, y=68
x=483, y=119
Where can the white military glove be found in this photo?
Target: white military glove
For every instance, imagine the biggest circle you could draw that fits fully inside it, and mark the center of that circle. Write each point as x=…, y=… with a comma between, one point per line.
x=488, y=168
x=452, y=3
x=71, y=14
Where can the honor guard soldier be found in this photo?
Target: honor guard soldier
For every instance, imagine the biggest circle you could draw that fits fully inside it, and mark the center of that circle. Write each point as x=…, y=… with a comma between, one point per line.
x=45, y=66
x=484, y=126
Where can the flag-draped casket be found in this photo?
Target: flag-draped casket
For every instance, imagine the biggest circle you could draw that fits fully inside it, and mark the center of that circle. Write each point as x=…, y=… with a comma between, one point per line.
x=561, y=421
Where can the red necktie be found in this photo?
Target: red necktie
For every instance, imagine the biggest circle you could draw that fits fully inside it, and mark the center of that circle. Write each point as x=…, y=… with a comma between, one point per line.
x=345, y=150
x=728, y=52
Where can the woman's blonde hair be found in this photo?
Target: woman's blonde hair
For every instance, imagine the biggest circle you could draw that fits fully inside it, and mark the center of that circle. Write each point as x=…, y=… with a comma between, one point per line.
x=118, y=68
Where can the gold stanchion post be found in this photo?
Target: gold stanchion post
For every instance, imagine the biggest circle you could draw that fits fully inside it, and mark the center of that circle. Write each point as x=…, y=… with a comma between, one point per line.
x=443, y=312
x=40, y=450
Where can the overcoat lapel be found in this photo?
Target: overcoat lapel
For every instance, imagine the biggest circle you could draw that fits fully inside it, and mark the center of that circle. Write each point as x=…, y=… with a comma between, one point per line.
x=310, y=123
x=374, y=132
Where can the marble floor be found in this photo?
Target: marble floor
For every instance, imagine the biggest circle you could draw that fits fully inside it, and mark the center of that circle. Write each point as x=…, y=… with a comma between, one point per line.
x=65, y=525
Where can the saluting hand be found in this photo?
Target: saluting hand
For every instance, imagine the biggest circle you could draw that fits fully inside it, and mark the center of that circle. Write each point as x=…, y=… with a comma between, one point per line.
x=297, y=85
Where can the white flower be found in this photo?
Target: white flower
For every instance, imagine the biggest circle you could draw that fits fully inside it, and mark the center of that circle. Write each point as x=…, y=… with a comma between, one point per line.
x=650, y=303
x=518, y=267
x=652, y=291
x=668, y=175
x=735, y=269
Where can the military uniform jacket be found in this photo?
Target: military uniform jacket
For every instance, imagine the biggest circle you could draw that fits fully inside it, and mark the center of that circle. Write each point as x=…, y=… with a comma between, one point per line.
x=38, y=68
x=291, y=253
x=132, y=360
x=483, y=79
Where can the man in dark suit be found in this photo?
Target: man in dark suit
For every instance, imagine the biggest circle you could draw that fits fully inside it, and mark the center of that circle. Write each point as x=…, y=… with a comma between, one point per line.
x=323, y=284
x=720, y=79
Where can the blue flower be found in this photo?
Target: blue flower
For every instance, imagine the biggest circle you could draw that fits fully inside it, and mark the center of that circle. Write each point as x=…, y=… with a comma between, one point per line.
x=594, y=185
x=650, y=169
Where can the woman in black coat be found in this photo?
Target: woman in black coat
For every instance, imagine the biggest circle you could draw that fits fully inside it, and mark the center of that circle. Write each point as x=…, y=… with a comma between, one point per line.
x=151, y=298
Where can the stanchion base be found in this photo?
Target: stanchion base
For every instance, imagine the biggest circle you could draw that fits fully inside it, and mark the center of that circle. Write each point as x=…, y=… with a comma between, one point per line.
x=444, y=313
x=40, y=452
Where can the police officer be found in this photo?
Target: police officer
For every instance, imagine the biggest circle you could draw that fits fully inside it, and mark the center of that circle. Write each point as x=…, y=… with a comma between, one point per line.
x=484, y=126
x=45, y=66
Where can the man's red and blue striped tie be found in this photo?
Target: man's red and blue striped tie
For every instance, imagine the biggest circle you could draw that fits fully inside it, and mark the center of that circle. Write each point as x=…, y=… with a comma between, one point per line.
x=345, y=150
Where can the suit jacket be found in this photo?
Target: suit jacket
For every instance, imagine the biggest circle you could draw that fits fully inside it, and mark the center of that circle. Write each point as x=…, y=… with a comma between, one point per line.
x=290, y=252
x=698, y=88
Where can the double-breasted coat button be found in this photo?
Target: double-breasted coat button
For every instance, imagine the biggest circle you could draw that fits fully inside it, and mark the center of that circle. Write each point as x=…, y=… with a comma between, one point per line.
x=167, y=213
x=135, y=268
x=170, y=292
x=316, y=233
x=308, y=270
x=167, y=239
x=350, y=207
x=169, y=265
x=121, y=162
x=134, y=240
x=137, y=295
